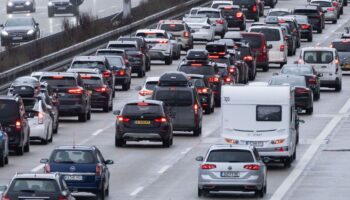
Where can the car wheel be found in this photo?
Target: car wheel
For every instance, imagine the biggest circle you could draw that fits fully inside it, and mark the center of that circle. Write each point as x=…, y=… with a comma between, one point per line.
x=207, y=110
x=287, y=162
x=51, y=136
x=2, y=158
x=297, y=140
x=309, y=38
x=197, y=131
x=111, y=106
x=125, y=86
x=107, y=191
x=119, y=142
x=7, y=159
x=200, y=192
x=266, y=68
x=338, y=86
x=295, y=155
x=82, y=117
x=169, y=60
x=19, y=151
x=50, y=13
x=334, y=21
x=319, y=30
x=317, y=96
x=166, y=142
x=102, y=193
x=89, y=114
x=310, y=110
x=260, y=193
x=55, y=128
x=341, y=11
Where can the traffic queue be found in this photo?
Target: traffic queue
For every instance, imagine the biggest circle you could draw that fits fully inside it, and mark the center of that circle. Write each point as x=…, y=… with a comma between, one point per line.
x=218, y=75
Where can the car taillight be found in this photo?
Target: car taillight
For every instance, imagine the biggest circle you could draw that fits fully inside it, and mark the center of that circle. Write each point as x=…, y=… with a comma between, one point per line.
x=330, y=9
x=248, y=58
x=213, y=79
x=195, y=108
x=208, y=166
x=40, y=118
x=145, y=92
x=186, y=34
x=62, y=198
x=106, y=74
x=213, y=57
x=239, y=14
x=47, y=168
x=336, y=61
x=18, y=124
x=264, y=49
x=312, y=80
x=121, y=72
x=163, y=41
x=5, y=197
x=101, y=89
x=220, y=21
x=98, y=170
x=335, y=3
x=252, y=167
x=161, y=120
x=282, y=47
x=202, y=90
x=232, y=70
x=302, y=90
x=305, y=26
x=228, y=80
x=254, y=8
x=75, y=91
x=123, y=119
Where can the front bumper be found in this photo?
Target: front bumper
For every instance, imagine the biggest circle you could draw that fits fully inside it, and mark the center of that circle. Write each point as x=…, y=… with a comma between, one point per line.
x=22, y=7
x=17, y=39
x=71, y=110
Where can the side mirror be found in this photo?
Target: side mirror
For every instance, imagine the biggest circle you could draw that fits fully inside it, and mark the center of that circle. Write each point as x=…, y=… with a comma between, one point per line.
x=199, y=158
x=3, y=188
x=319, y=75
x=116, y=112
x=1, y=26
x=36, y=24
x=109, y=162
x=269, y=46
x=138, y=88
x=44, y=160
x=301, y=121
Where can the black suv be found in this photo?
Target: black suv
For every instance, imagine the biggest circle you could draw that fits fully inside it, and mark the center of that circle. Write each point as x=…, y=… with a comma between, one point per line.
x=73, y=96
x=253, y=9
x=15, y=124
x=234, y=16
x=205, y=93
x=248, y=56
x=144, y=120
x=143, y=48
x=293, y=26
x=315, y=15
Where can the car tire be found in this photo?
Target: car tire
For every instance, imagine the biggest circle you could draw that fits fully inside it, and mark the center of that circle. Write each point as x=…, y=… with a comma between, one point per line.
x=243, y=27
x=310, y=38
x=197, y=131
x=102, y=194
x=266, y=68
x=55, y=128
x=260, y=193
x=7, y=159
x=51, y=137
x=317, y=96
x=341, y=11
x=287, y=162
x=202, y=192
x=282, y=64
x=256, y=19
x=207, y=110
x=338, y=86
x=119, y=142
x=140, y=74
x=167, y=142
x=169, y=60
x=2, y=158
x=335, y=21
x=217, y=103
x=19, y=151
x=310, y=110
x=319, y=30
x=297, y=139
x=294, y=155
x=111, y=106
x=89, y=114
x=82, y=117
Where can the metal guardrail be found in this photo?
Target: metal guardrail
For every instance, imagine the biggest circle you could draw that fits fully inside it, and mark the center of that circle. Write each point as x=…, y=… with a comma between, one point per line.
x=58, y=60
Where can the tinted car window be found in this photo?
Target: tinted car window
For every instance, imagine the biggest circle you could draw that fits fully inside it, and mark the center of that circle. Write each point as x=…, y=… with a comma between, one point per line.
x=229, y=12
x=123, y=46
x=292, y=81
x=323, y=3
x=197, y=83
x=209, y=14
x=243, y=1
x=302, y=19
x=59, y=81
x=89, y=64
x=203, y=70
x=115, y=61
x=270, y=34
x=19, y=22
x=278, y=13
x=135, y=109
x=151, y=85
x=268, y=113
x=73, y=157
x=35, y=185
x=341, y=46
x=306, y=12
x=229, y=155
x=323, y=57
x=253, y=40
x=30, y=105
x=92, y=81
x=8, y=110
x=175, y=98
x=172, y=27
x=297, y=70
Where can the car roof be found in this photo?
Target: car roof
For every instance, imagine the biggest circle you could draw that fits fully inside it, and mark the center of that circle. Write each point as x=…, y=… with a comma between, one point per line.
x=89, y=58
x=234, y=34
x=266, y=27
x=145, y=101
x=222, y=1
x=153, y=78
x=229, y=146
x=322, y=0
x=75, y=147
x=172, y=21
x=229, y=6
x=319, y=48
x=150, y=30
x=66, y=74
x=111, y=49
x=122, y=42
x=82, y=70
x=310, y=7
x=209, y=9
x=32, y=175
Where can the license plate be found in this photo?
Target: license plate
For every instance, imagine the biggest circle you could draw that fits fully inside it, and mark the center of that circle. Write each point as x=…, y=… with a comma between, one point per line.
x=73, y=178
x=61, y=94
x=244, y=9
x=61, y=8
x=17, y=38
x=142, y=122
x=230, y=174
x=255, y=143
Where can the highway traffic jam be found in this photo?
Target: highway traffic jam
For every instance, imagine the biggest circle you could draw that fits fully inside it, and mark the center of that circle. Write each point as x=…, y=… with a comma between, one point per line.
x=223, y=102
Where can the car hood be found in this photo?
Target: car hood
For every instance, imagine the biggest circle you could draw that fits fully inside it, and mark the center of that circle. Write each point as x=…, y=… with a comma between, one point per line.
x=18, y=28
x=59, y=1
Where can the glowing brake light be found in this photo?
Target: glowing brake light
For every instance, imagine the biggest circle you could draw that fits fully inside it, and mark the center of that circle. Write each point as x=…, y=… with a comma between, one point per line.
x=195, y=108
x=123, y=119
x=330, y=9
x=252, y=167
x=282, y=47
x=40, y=118
x=336, y=61
x=121, y=72
x=86, y=77
x=161, y=120
x=213, y=79
x=302, y=90
x=5, y=197
x=335, y=3
x=305, y=26
x=213, y=57
x=75, y=91
x=18, y=124
x=142, y=104
x=232, y=70
x=220, y=21
x=239, y=14
x=163, y=41
x=228, y=79
x=106, y=74
x=202, y=90
x=186, y=34
x=254, y=8
x=101, y=89
x=196, y=65
x=208, y=166
x=57, y=77
x=248, y=58
x=145, y=92
x=172, y=25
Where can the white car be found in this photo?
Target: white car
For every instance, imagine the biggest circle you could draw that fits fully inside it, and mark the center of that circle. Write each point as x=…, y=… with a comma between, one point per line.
x=216, y=4
x=279, y=12
x=39, y=119
x=160, y=46
x=216, y=17
x=146, y=91
x=326, y=62
x=275, y=37
x=201, y=28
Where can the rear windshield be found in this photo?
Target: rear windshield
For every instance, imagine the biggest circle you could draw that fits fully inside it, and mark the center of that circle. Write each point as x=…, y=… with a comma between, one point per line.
x=302, y=20
x=123, y=46
x=8, y=110
x=150, y=35
x=197, y=83
x=114, y=53
x=195, y=20
x=150, y=85
x=73, y=157
x=30, y=105
x=278, y=13
x=296, y=70
x=175, y=98
x=215, y=48
x=209, y=14
x=270, y=34
x=92, y=81
x=33, y=186
x=238, y=2
x=142, y=109
x=244, y=51
x=268, y=113
x=292, y=81
x=342, y=46
x=323, y=3
x=59, y=81
x=89, y=64
x=306, y=12
x=321, y=57
x=172, y=27
x=115, y=61
x=203, y=70
x=216, y=5
x=230, y=156
x=222, y=60
x=254, y=41
x=229, y=12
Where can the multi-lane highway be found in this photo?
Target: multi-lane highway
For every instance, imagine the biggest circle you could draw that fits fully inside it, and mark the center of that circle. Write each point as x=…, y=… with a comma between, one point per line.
x=149, y=171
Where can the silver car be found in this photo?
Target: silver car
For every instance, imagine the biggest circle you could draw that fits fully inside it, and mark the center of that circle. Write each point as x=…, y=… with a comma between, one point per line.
x=331, y=11
x=216, y=17
x=231, y=168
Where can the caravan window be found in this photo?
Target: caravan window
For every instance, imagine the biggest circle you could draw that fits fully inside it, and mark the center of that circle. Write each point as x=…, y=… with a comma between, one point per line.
x=268, y=113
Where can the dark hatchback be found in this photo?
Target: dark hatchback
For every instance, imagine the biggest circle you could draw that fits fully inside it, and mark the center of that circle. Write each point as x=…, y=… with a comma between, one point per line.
x=73, y=96
x=253, y=9
x=315, y=15
x=248, y=56
x=234, y=16
x=144, y=120
x=121, y=71
x=303, y=94
x=305, y=28
x=205, y=93
x=83, y=168
x=311, y=76
x=343, y=48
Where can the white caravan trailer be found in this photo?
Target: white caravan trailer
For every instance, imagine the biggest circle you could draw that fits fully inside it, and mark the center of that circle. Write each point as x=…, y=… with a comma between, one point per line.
x=262, y=116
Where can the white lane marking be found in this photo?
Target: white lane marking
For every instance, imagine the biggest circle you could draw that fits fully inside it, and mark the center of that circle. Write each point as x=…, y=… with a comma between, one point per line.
x=37, y=168
x=186, y=150
x=97, y=132
x=309, y=154
x=163, y=169
x=136, y=191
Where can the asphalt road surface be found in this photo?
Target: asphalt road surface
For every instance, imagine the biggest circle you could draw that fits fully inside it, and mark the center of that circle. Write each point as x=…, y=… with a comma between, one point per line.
x=147, y=171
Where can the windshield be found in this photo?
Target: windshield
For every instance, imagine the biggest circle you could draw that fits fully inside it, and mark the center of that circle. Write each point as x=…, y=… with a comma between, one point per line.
x=123, y=46
x=144, y=108
x=278, y=13
x=268, y=113
x=19, y=22
x=197, y=83
x=150, y=35
x=150, y=85
x=115, y=61
x=34, y=185
x=230, y=156
x=343, y=46
x=89, y=65
x=254, y=41
x=203, y=70
x=296, y=70
x=321, y=57
x=8, y=110
x=306, y=12
x=73, y=157
x=270, y=34
x=175, y=98
x=292, y=81
x=59, y=81
x=172, y=27
x=209, y=14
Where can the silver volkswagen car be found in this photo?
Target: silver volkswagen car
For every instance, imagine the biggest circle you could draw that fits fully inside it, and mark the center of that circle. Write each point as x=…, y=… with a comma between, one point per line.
x=228, y=168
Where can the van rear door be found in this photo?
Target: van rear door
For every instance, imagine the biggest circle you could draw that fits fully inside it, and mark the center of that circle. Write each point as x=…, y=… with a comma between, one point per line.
x=322, y=61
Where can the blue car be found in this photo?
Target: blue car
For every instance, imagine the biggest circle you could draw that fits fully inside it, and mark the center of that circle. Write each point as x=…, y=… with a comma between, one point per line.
x=4, y=148
x=83, y=168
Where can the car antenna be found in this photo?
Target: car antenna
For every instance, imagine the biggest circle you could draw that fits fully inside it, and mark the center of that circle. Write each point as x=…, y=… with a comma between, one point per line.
x=74, y=140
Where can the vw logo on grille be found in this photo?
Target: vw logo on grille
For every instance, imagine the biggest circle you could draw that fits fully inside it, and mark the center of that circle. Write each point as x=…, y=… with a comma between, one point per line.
x=72, y=168
x=229, y=168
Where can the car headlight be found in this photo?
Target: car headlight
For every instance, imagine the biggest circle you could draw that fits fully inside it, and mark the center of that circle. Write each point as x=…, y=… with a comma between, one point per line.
x=28, y=3
x=4, y=33
x=10, y=4
x=30, y=32
x=279, y=141
x=50, y=3
x=70, y=4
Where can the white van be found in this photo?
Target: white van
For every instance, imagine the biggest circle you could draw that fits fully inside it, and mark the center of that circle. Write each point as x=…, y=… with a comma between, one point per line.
x=275, y=37
x=262, y=116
